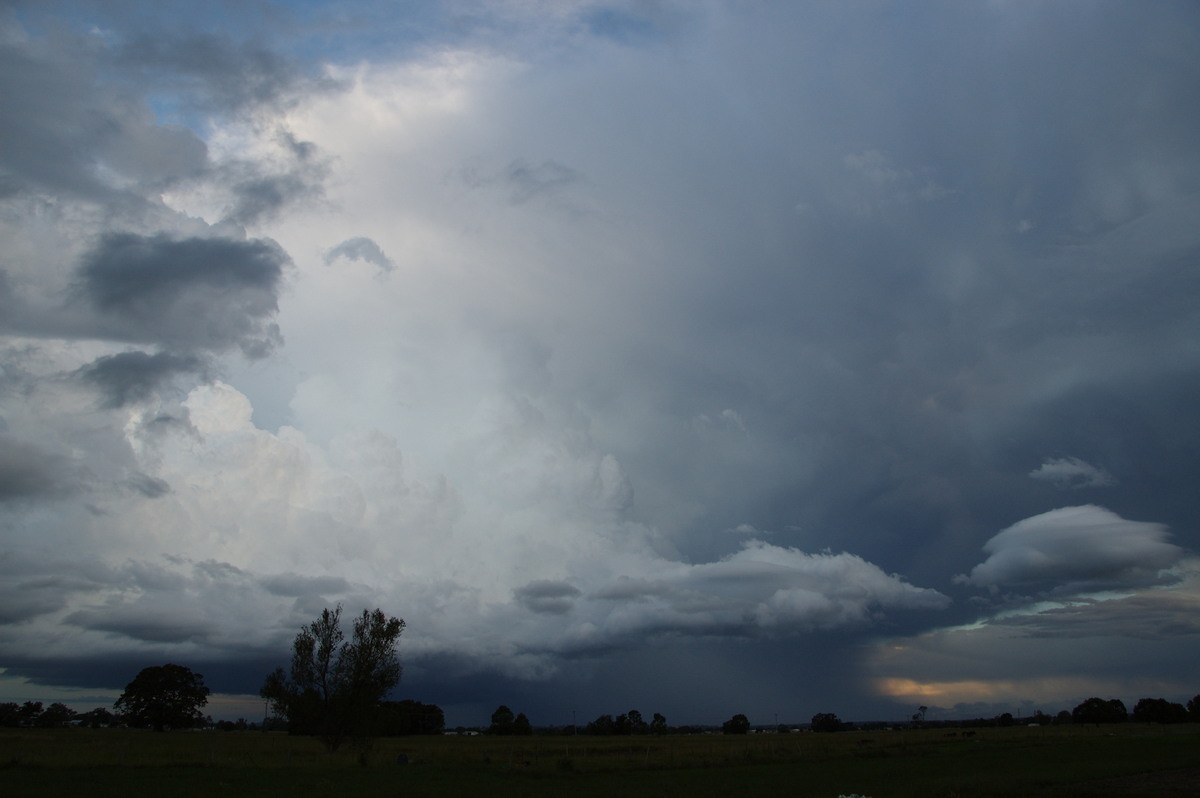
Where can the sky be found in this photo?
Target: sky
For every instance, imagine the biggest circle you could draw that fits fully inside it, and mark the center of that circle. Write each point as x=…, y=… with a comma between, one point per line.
x=689, y=357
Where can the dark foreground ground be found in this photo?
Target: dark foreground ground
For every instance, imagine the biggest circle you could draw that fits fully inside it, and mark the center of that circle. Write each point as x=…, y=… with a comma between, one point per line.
x=1091, y=762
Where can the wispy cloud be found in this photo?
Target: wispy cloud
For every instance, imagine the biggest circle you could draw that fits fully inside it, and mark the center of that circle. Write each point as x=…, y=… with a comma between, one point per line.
x=1071, y=472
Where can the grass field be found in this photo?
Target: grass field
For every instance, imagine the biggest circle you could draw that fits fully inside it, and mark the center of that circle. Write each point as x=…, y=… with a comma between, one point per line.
x=1131, y=759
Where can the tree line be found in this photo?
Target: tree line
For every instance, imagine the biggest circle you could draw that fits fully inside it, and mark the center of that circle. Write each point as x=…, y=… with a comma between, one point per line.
x=336, y=688
x=1093, y=710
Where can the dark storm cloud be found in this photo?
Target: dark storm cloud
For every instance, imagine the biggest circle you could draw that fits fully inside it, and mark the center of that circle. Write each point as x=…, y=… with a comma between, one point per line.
x=208, y=293
x=129, y=273
x=260, y=198
x=884, y=281
x=132, y=376
x=240, y=672
x=1139, y=426
x=259, y=194
x=142, y=612
x=24, y=597
x=547, y=596
x=59, y=125
x=35, y=586
x=28, y=472
x=145, y=625
x=148, y=486
x=626, y=589
x=295, y=585
x=909, y=316
x=929, y=405
x=23, y=603
x=139, y=606
x=361, y=248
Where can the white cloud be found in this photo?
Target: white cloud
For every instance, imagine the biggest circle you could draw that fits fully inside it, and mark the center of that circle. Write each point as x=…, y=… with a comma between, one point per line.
x=1086, y=545
x=535, y=546
x=762, y=589
x=1071, y=472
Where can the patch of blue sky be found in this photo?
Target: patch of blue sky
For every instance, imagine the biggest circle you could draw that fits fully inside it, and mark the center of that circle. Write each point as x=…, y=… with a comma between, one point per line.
x=365, y=30
x=170, y=111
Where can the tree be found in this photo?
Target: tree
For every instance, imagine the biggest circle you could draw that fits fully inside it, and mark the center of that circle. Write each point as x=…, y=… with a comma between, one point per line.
x=399, y=718
x=1193, y=708
x=94, y=719
x=603, y=725
x=335, y=686
x=502, y=721
x=738, y=724
x=1159, y=710
x=10, y=714
x=658, y=724
x=1097, y=710
x=56, y=716
x=29, y=712
x=826, y=722
x=164, y=697
x=521, y=726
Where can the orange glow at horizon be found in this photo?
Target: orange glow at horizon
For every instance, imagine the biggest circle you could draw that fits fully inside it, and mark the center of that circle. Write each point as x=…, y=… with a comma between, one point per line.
x=1038, y=690
x=976, y=690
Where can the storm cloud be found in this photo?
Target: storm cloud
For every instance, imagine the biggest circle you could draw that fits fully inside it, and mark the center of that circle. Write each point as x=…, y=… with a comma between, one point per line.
x=27, y=472
x=605, y=345
x=199, y=292
x=132, y=376
x=361, y=248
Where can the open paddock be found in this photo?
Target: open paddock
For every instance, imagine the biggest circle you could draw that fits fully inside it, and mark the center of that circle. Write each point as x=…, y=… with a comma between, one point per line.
x=1130, y=759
